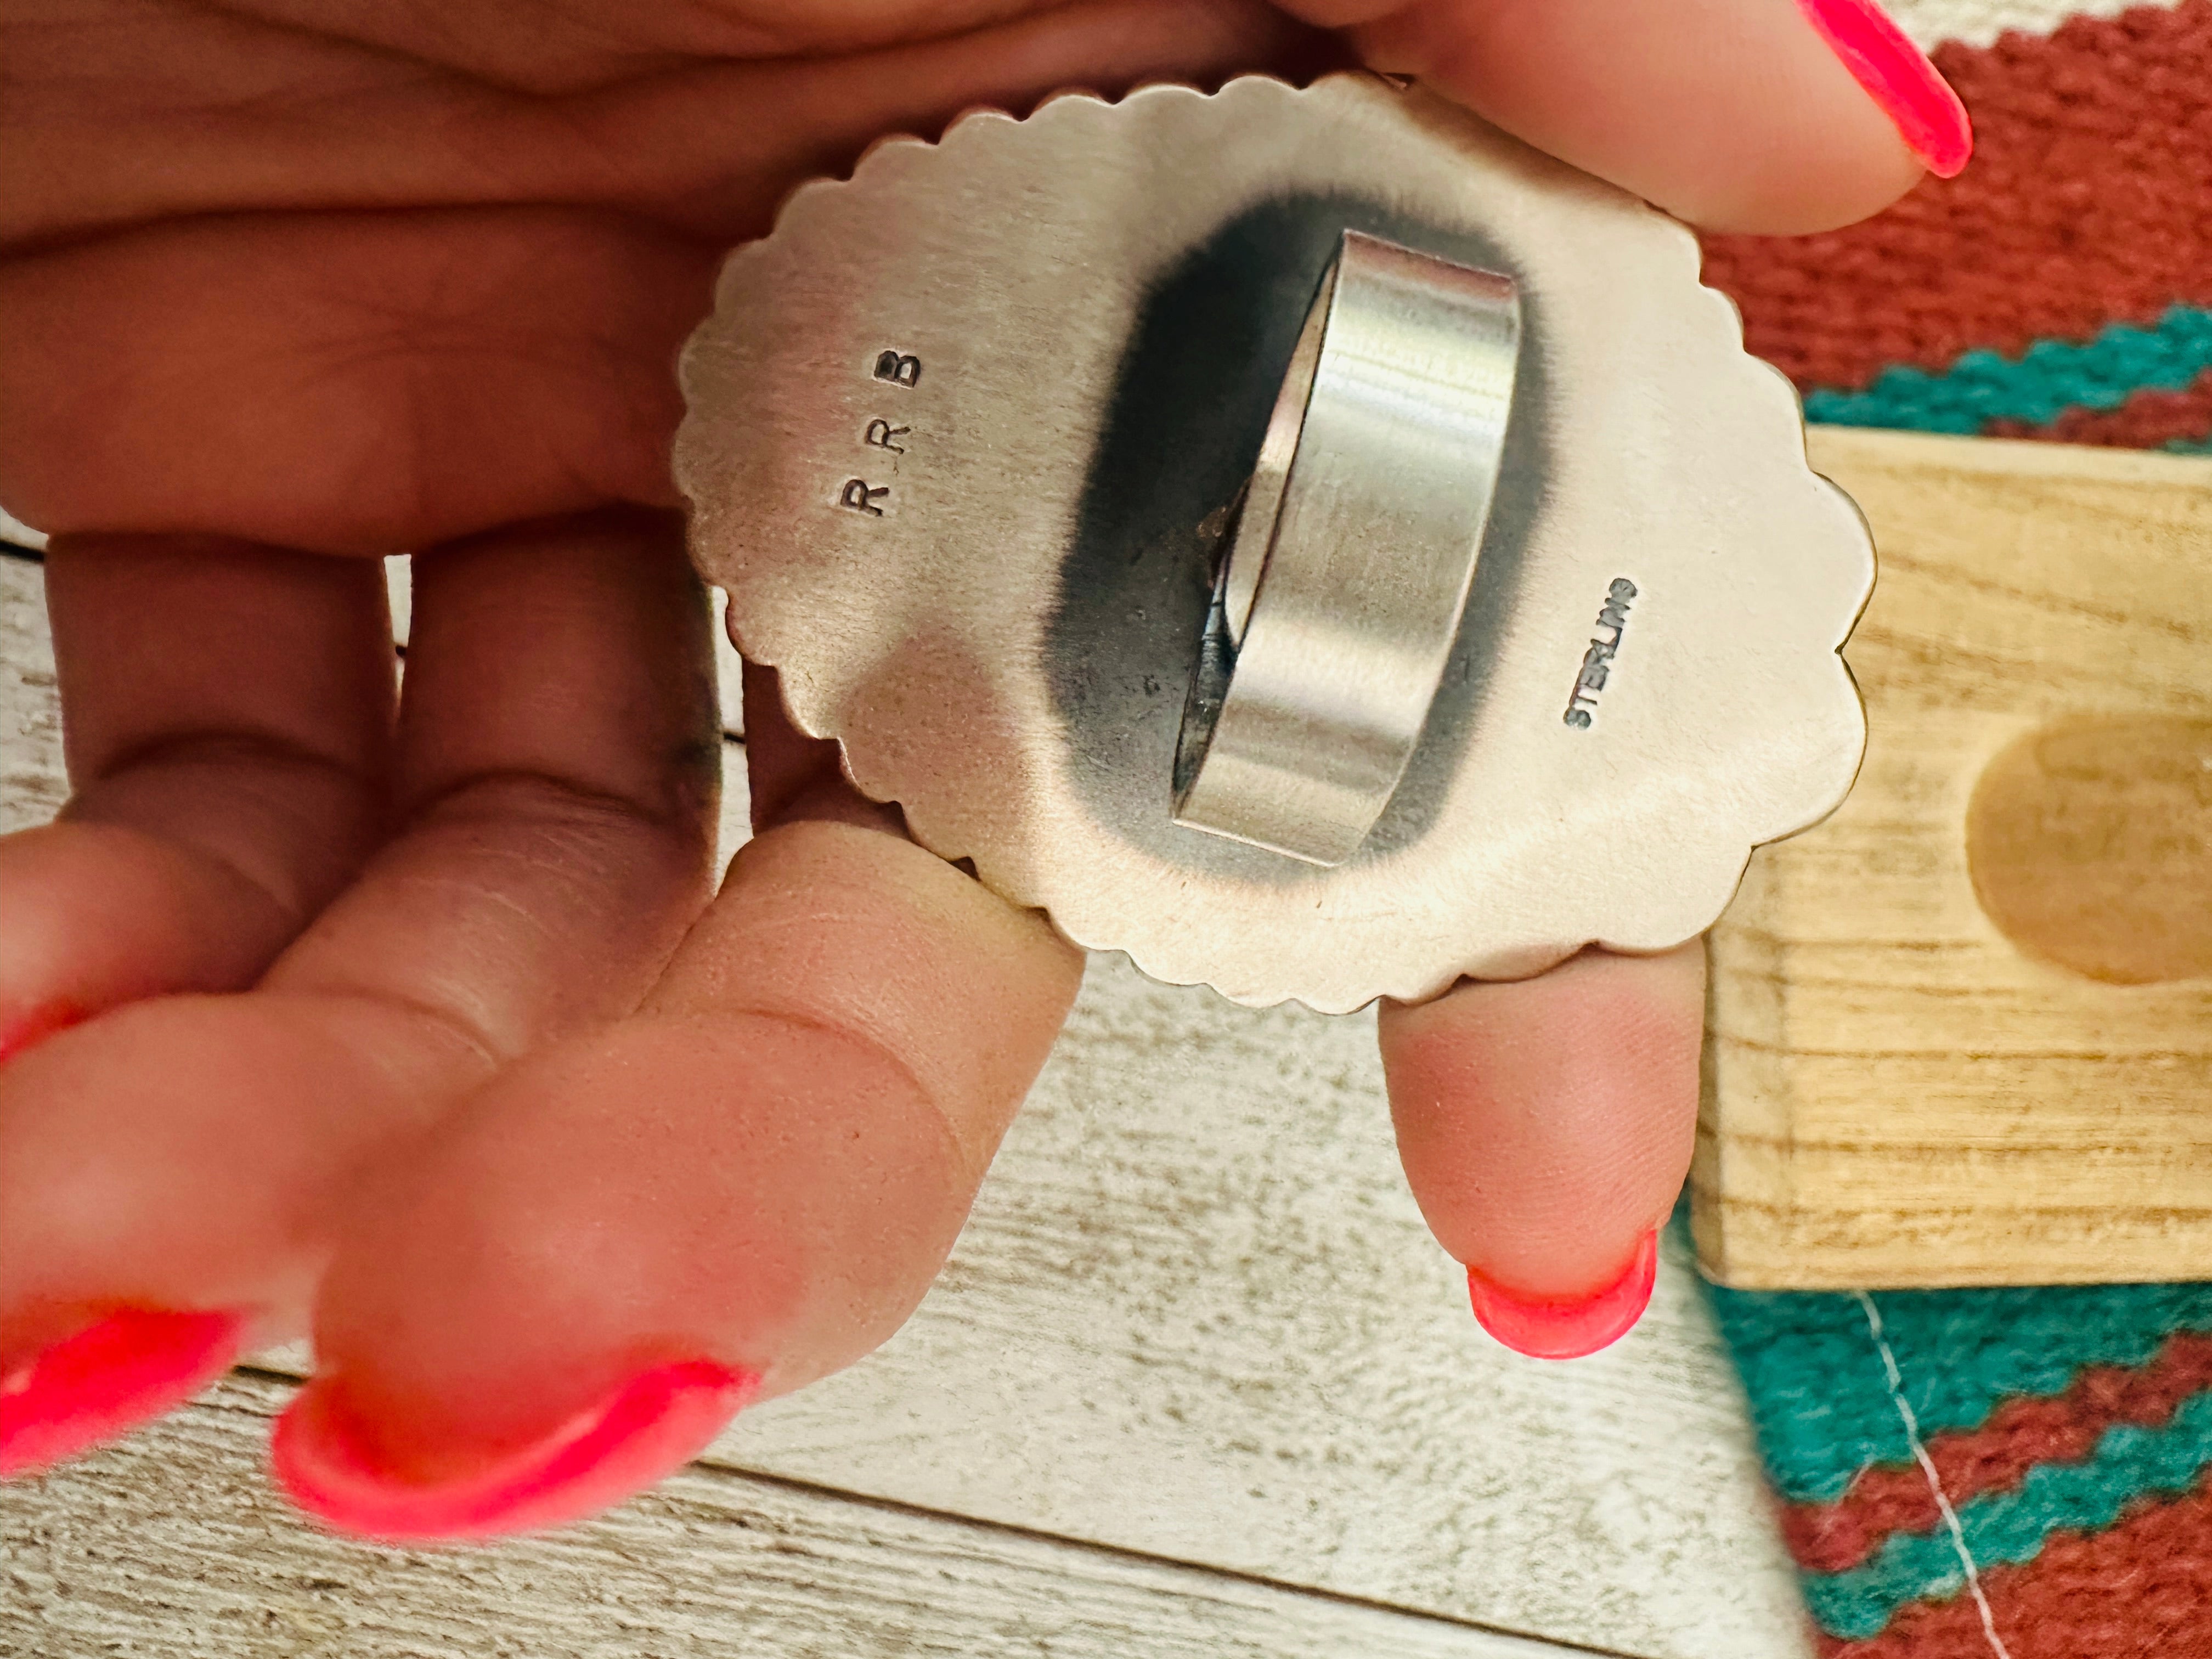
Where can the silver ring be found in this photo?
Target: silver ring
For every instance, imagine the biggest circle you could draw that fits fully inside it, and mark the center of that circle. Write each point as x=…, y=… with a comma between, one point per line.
x=1334, y=612
x=1089, y=312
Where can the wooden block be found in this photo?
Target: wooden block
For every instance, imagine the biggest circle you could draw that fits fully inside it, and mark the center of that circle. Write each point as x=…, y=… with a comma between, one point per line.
x=1961, y=1034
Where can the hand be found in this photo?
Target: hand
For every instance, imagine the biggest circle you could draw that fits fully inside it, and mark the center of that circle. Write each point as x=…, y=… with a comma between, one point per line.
x=418, y=1017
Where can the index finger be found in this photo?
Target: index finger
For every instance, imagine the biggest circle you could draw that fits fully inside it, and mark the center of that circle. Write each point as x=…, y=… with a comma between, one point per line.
x=745, y=1186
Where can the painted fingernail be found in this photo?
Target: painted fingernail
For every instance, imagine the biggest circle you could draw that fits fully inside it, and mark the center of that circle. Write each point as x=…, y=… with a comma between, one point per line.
x=34, y=1025
x=327, y=1456
x=106, y=1379
x=1568, y=1327
x=1897, y=76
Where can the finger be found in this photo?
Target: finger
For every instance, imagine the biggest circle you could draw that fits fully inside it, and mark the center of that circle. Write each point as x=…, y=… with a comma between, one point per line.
x=647, y=129
x=1546, y=1128
x=558, y=771
x=187, y=1155
x=227, y=711
x=506, y=351
x=1744, y=115
x=345, y=382
x=749, y=1185
x=792, y=777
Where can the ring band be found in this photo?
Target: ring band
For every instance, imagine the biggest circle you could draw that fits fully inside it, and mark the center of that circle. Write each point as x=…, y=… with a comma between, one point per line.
x=1334, y=613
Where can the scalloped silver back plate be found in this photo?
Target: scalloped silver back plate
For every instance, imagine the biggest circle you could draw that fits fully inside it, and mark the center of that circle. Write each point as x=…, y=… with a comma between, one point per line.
x=963, y=432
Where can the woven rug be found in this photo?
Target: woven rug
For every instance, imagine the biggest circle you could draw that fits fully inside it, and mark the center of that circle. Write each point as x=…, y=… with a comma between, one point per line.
x=2059, y=288
x=1966, y=1474
x=2027, y=1473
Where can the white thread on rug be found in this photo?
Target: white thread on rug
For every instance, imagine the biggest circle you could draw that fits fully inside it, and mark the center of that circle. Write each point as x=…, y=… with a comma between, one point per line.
x=1927, y=1467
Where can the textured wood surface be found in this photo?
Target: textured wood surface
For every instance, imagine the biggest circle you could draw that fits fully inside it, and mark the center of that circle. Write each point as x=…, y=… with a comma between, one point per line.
x=1195, y=1319
x=172, y=1548
x=1899, y=1092
x=33, y=785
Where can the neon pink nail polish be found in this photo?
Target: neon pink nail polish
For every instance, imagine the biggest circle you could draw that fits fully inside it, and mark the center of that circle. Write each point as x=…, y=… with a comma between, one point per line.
x=1568, y=1327
x=324, y=1456
x=1897, y=76
x=108, y=1378
x=34, y=1025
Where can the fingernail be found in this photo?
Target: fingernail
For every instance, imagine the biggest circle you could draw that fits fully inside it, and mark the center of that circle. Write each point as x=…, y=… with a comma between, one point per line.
x=327, y=1457
x=35, y=1025
x=1568, y=1327
x=1897, y=76
x=107, y=1379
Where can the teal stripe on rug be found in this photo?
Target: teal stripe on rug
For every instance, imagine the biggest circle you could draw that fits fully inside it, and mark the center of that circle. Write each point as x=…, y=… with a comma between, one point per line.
x=2129, y=1462
x=1820, y=1398
x=2051, y=377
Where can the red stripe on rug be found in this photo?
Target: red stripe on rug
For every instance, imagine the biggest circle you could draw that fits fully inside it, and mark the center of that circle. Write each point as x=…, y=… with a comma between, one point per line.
x=2150, y=417
x=2139, y=1589
x=2022, y=1432
x=2088, y=202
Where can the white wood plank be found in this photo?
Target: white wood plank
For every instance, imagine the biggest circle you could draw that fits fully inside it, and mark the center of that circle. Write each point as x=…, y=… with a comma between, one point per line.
x=727, y=667
x=1196, y=1317
x=33, y=783
x=400, y=595
x=1197, y=1314
x=17, y=533
x=173, y=1545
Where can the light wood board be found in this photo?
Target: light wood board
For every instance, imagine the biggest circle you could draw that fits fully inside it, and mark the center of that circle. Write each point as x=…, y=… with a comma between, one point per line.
x=33, y=783
x=1898, y=1094
x=1195, y=1319
x=172, y=1547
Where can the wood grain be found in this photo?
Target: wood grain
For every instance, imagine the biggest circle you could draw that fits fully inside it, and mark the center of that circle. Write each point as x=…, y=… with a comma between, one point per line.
x=1197, y=1314
x=1195, y=1317
x=170, y=1547
x=33, y=783
x=1899, y=1093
